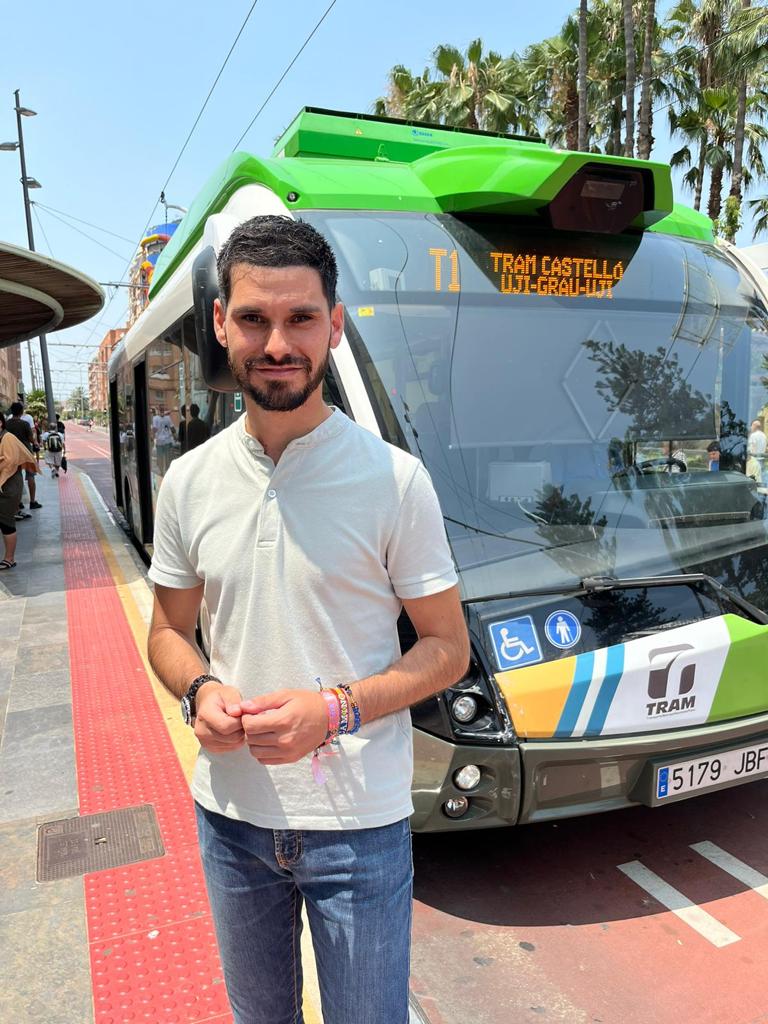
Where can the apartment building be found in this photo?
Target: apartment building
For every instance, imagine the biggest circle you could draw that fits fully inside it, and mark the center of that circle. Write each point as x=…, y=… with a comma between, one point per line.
x=98, y=388
x=10, y=375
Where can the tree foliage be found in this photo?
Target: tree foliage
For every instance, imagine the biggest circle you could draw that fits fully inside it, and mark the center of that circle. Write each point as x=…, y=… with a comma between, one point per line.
x=612, y=68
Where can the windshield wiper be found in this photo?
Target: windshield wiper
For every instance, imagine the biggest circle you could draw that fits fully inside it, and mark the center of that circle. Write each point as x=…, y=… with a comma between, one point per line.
x=604, y=584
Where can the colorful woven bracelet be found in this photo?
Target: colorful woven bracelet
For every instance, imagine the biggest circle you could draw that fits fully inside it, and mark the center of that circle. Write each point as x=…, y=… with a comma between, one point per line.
x=355, y=709
x=334, y=709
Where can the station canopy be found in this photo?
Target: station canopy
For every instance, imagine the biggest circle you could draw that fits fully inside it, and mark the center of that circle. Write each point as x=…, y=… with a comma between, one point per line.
x=38, y=294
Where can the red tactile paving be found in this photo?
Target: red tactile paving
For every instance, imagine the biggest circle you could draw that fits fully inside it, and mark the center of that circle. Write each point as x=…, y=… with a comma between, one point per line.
x=152, y=947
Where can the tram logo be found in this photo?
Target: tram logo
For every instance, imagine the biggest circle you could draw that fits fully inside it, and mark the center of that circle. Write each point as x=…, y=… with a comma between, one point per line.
x=664, y=664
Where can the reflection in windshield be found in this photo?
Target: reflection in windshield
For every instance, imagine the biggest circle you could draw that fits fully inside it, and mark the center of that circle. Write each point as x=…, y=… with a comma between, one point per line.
x=569, y=427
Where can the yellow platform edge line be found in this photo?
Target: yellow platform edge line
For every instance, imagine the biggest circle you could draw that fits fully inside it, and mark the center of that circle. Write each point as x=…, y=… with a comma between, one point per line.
x=181, y=735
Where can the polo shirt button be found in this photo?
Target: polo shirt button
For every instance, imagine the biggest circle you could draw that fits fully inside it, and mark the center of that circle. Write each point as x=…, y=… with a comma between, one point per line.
x=271, y=493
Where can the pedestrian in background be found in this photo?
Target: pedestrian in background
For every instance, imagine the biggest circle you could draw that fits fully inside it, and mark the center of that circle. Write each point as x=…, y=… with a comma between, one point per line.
x=18, y=424
x=197, y=430
x=53, y=444
x=15, y=459
x=306, y=536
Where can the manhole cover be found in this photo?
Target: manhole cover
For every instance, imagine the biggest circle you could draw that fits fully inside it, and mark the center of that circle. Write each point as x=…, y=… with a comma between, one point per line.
x=93, y=842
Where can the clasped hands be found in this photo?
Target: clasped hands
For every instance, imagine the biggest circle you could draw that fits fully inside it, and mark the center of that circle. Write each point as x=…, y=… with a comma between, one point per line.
x=278, y=728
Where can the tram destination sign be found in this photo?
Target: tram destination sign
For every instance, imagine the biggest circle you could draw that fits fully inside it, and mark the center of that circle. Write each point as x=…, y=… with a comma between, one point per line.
x=532, y=273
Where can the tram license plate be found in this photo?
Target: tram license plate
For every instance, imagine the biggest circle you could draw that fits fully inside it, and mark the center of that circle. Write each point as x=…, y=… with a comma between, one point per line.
x=710, y=771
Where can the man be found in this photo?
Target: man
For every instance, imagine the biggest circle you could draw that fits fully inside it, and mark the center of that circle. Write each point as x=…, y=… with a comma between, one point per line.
x=756, y=451
x=181, y=433
x=60, y=426
x=197, y=430
x=325, y=533
x=162, y=431
x=17, y=425
x=53, y=444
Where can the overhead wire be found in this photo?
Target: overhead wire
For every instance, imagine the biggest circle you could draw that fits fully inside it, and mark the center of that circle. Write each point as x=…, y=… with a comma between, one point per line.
x=280, y=79
x=69, y=216
x=40, y=225
x=83, y=233
x=207, y=98
x=181, y=152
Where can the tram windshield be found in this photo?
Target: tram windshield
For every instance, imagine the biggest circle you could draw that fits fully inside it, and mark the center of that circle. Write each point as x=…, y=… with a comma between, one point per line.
x=582, y=402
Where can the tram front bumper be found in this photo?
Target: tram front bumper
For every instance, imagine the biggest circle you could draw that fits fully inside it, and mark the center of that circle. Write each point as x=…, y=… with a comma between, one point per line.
x=564, y=779
x=494, y=802
x=546, y=780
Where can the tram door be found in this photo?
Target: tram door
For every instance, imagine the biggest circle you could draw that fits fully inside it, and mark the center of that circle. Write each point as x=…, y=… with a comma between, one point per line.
x=143, y=452
x=115, y=441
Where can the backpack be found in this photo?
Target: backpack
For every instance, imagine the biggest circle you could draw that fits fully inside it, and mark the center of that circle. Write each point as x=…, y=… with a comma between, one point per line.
x=53, y=443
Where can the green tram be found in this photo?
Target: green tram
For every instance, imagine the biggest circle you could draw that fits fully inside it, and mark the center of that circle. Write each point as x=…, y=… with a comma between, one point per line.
x=578, y=364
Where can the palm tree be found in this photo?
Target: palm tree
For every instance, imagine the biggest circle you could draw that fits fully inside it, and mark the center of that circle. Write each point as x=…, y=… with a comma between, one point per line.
x=738, y=142
x=711, y=125
x=760, y=209
x=608, y=65
x=691, y=124
x=583, y=113
x=410, y=95
x=482, y=91
x=645, y=135
x=551, y=71
x=630, y=81
x=468, y=90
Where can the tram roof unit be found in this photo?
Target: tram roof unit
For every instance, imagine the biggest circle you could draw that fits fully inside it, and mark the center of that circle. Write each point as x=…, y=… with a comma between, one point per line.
x=336, y=160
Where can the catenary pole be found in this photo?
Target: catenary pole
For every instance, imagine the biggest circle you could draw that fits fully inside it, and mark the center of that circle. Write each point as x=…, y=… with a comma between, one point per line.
x=31, y=238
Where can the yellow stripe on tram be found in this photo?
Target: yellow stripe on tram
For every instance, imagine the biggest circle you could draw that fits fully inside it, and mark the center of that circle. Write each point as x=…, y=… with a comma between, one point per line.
x=136, y=599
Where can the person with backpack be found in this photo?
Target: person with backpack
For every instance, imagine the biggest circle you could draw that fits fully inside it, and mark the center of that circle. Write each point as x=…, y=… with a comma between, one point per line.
x=53, y=445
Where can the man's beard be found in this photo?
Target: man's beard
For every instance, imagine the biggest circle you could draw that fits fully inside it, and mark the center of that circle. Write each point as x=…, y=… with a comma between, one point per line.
x=278, y=395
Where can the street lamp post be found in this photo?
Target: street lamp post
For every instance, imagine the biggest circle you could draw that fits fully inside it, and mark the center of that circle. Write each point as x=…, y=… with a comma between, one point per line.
x=26, y=184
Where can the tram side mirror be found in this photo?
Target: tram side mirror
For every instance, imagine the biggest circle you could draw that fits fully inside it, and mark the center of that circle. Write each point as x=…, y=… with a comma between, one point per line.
x=205, y=288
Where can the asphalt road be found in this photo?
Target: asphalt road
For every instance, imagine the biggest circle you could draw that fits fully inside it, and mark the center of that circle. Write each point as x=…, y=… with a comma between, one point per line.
x=634, y=917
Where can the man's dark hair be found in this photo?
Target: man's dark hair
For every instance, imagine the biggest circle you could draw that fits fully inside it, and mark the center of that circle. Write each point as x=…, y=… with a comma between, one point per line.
x=272, y=241
x=194, y=410
x=17, y=409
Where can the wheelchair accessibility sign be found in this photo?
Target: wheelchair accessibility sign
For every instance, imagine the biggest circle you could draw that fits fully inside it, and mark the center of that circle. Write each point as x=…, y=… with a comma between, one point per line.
x=515, y=642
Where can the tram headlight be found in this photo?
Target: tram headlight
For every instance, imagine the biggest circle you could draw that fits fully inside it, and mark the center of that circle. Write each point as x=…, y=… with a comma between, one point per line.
x=456, y=806
x=464, y=708
x=470, y=711
x=467, y=777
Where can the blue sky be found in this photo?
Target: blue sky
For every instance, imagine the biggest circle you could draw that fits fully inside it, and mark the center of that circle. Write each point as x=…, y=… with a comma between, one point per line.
x=118, y=88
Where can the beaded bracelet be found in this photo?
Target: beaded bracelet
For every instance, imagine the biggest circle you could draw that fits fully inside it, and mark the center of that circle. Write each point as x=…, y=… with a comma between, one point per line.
x=343, y=711
x=355, y=709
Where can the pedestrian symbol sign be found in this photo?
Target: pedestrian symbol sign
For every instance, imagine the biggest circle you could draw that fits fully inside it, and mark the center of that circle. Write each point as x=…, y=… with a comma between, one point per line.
x=515, y=642
x=562, y=629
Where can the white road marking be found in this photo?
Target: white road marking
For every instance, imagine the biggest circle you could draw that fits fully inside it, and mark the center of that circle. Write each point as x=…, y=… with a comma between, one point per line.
x=733, y=866
x=99, y=451
x=702, y=922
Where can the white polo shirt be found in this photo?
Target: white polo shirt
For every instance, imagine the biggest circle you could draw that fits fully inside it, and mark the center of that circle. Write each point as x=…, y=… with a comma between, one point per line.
x=305, y=565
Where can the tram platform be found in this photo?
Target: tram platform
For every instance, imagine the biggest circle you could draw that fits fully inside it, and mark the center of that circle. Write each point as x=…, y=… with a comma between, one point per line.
x=103, y=911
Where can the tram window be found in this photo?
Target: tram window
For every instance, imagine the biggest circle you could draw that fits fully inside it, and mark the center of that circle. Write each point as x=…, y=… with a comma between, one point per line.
x=165, y=384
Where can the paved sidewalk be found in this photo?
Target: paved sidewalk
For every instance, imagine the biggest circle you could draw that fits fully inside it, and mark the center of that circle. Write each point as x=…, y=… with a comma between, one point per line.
x=44, y=969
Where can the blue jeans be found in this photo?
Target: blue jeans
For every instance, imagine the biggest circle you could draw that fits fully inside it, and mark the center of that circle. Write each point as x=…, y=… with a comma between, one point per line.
x=358, y=887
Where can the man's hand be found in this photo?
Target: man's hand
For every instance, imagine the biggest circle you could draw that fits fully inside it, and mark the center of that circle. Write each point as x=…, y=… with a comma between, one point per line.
x=218, y=726
x=284, y=726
